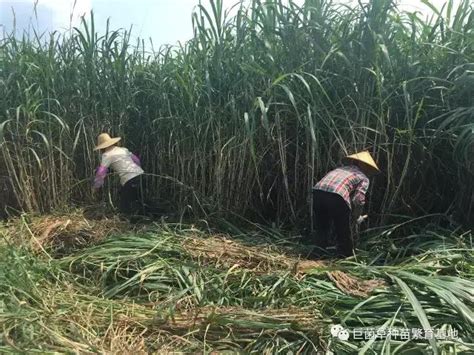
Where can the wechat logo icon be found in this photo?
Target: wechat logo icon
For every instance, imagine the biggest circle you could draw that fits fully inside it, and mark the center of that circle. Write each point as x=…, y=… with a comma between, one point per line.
x=338, y=331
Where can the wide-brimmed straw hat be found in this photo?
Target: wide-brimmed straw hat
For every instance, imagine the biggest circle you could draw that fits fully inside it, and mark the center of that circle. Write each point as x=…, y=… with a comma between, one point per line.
x=365, y=158
x=105, y=141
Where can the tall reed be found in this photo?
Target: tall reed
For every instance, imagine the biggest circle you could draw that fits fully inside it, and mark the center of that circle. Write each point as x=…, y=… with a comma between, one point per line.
x=253, y=109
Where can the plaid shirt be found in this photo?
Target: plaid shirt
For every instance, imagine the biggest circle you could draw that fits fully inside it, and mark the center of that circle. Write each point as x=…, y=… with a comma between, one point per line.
x=348, y=181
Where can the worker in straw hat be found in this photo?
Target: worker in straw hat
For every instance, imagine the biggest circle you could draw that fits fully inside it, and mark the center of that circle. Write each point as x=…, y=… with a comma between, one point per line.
x=128, y=168
x=340, y=194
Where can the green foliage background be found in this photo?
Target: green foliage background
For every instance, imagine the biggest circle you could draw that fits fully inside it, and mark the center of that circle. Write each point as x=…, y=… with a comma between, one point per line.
x=249, y=113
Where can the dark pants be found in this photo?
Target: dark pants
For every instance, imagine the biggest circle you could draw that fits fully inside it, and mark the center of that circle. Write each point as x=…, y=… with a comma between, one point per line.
x=331, y=209
x=133, y=198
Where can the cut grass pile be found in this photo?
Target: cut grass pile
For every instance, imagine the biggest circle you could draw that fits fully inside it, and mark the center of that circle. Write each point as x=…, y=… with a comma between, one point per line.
x=220, y=251
x=62, y=234
x=168, y=287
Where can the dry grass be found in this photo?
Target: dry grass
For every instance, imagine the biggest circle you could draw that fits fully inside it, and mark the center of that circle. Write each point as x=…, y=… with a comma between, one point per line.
x=302, y=267
x=125, y=339
x=220, y=251
x=354, y=286
x=61, y=234
x=217, y=323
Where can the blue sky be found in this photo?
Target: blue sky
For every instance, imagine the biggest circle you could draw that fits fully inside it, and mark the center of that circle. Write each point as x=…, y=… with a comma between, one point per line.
x=164, y=21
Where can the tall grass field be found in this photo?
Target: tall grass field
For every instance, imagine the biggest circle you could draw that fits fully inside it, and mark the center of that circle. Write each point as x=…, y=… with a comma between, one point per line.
x=233, y=128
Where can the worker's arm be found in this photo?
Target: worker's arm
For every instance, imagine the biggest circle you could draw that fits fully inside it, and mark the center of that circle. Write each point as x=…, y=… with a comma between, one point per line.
x=100, y=175
x=358, y=198
x=136, y=159
x=101, y=172
x=132, y=156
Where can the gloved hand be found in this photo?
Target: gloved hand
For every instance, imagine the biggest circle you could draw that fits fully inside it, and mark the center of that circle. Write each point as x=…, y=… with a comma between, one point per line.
x=362, y=219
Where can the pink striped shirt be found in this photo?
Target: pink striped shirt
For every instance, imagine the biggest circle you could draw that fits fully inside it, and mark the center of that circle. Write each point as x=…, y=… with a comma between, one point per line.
x=347, y=181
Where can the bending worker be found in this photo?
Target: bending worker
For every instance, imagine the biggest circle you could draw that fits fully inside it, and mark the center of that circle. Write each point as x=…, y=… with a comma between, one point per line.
x=338, y=195
x=128, y=168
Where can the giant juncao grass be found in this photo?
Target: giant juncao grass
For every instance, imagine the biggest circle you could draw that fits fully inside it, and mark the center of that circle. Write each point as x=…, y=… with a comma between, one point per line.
x=241, y=120
x=246, y=115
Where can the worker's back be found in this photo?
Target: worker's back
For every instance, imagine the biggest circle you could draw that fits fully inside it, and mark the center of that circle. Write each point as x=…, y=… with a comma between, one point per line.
x=343, y=181
x=121, y=161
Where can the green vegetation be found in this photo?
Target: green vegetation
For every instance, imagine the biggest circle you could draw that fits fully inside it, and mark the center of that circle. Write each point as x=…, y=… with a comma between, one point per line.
x=236, y=125
x=250, y=112
x=174, y=287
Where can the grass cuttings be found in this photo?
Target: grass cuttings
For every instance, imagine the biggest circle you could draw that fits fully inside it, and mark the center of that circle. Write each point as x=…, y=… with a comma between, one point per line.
x=352, y=285
x=290, y=317
x=298, y=328
x=47, y=310
x=245, y=297
x=222, y=251
x=61, y=234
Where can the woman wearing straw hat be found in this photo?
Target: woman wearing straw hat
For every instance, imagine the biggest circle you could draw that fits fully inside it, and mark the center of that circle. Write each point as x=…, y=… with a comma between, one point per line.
x=338, y=195
x=128, y=168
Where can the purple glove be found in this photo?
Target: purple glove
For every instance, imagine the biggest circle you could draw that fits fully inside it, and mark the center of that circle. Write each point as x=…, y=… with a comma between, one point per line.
x=100, y=175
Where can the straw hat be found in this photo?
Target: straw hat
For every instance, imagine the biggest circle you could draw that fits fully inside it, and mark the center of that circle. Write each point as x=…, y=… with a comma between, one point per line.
x=365, y=158
x=105, y=141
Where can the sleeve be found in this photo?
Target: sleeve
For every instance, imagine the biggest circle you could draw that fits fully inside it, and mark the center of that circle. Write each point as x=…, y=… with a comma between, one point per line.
x=101, y=172
x=136, y=159
x=359, y=194
x=100, y=175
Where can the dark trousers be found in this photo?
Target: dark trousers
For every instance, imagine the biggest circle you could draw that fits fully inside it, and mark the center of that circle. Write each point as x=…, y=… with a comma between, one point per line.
x=331, y=209
x=134, y=200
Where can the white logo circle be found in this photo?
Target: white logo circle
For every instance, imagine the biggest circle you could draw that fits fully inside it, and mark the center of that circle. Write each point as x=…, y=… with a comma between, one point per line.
x=343, y=335
x=338, y=331
x=335, y=329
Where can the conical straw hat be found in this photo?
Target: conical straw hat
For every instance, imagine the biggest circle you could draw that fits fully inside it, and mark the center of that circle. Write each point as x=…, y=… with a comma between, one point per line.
x=105, y=141
x=365, y=158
